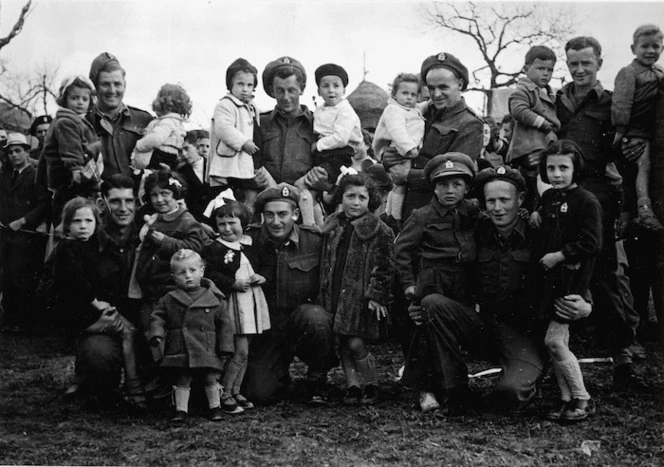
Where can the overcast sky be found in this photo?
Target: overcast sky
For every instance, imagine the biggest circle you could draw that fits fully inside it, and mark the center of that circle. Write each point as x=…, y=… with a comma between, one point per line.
x=193, y=42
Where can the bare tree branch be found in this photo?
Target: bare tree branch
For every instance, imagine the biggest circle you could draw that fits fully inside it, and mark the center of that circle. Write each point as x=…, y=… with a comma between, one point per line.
x=18, y=26
x=502, y=31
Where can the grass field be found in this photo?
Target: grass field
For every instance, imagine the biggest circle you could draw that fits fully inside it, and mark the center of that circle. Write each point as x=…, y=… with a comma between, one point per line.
x=38, y=427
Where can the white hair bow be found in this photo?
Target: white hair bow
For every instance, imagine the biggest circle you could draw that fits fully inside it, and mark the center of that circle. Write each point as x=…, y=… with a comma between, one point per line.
x=345, y=171
x=219, y=201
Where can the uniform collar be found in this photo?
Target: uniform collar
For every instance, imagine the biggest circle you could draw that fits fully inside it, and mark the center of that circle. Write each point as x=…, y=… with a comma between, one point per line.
x=303, y=113
x=460, y=208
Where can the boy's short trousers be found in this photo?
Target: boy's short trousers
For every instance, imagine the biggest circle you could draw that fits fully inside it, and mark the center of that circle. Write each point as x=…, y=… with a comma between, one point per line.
x=332, y=160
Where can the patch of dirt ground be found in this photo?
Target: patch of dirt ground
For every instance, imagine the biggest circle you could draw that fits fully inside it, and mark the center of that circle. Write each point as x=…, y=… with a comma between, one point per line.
x=38, y=427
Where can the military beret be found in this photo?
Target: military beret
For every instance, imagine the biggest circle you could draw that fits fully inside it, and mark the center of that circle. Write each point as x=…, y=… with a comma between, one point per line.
x=281, y=192
x=240, y=65
x=447, y=165
x=507, y=174
x=331, y=69
x=100, y=63
x=279, y=64
x=445, y=60
x=41, y=120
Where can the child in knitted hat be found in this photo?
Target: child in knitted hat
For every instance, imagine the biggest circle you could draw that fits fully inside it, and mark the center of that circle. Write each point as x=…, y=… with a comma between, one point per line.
x=234, y=134
x=71, y=147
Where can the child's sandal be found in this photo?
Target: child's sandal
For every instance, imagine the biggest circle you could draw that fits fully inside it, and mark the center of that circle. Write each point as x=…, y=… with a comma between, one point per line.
x=243, y=402
x=230, y=406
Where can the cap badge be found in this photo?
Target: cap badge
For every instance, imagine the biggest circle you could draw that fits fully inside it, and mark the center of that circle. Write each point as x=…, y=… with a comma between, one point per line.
x=449, y=165
x=500, y=171
x=286, y=60
x=285, y=192
x=441, y=57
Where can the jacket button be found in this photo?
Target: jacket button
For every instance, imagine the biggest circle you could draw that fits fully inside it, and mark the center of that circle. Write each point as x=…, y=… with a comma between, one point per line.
x=207, y=310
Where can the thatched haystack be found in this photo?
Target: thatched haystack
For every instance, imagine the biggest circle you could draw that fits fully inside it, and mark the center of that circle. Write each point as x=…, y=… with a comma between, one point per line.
x=369, y=100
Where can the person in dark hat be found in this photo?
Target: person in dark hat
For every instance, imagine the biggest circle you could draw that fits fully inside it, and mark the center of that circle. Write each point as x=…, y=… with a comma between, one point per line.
x=336, y=126
x=38, y=129
x=299, y=327
x=287, y=131
x=505, y=326
x=23, y=207
x=434, y=254
x=119, y=126
x=450, y=126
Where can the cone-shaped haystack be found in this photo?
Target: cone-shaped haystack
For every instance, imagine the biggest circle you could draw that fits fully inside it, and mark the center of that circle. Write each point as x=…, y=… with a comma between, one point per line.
x=369, y=100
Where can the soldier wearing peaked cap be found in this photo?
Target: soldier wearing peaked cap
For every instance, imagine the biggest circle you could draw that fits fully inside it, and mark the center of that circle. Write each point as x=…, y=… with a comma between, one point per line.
x=299, y=326
x=450, y=126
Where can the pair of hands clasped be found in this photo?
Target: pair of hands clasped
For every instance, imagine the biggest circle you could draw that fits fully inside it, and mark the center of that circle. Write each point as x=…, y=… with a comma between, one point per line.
x=242, y=285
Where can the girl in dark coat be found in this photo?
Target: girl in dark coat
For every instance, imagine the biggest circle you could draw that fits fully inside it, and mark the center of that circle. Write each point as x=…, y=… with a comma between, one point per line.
x=233, y=265
x=78, y=281
x=571, y=237
x=356, y=280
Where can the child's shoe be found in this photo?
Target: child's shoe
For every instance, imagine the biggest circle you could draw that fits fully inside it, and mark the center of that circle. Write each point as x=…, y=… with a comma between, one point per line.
x=428, y=402
x=229, y=406
x=243, y=402
x=353, y=395
x=557, y=412
x=370, y=395
x=216, y=414
x=180, y=416
x=578, y=410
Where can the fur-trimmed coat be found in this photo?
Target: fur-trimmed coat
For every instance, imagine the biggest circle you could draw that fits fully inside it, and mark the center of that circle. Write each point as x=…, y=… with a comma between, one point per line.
x=368, y=274
x=196, y=332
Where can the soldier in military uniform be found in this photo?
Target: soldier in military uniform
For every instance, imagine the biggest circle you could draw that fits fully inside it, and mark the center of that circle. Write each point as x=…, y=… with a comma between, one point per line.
x=434, y=255
x=118, y=126
x=298, y=326
x=287, y=132
x=450, y=127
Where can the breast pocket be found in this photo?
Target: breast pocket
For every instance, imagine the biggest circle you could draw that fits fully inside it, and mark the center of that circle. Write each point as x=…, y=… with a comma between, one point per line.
x=439, y=138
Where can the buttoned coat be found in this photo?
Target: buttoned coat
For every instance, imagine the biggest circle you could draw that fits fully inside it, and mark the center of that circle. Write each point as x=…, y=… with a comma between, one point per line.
x=232, y=126
x=368, y=274
x=531, y=107
x=196, y=332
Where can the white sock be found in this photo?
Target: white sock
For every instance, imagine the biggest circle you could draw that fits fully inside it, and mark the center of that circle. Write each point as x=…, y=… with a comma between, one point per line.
x=572, y=372
x=181, y=396
x=213, y=396
x=350, y=370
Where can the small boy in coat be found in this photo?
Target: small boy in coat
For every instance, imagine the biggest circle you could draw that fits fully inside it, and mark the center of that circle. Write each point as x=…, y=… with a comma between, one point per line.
x=195, y=325
x=532, y=105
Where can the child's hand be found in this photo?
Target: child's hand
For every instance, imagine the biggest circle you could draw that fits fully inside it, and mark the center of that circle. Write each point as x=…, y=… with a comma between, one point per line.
x=257, y=279
x=250, y=148
x=410, y=292
x=415, y=313
x=412, y=154
x=380, y=310
x=157, y=237
x=241, y=284
x=545, y=128
x=76, y=177
x=550, y=260
x=535, y=220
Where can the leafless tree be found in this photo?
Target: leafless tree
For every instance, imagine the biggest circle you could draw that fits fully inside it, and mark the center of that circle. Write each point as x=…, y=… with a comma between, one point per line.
x=501, y=31
x=18, y=25
x=30, y=92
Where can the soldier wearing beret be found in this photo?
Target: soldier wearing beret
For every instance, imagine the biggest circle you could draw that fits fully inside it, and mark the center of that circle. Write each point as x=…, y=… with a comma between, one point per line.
x=505, y=326
x=435, y=251
x=299, y=327
x=38, y=130
x=119, y=126
x=450, y=126
x=287, y=131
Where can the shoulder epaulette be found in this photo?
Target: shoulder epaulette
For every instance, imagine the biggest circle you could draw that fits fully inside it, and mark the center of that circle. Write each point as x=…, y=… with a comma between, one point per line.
x=311, y=228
